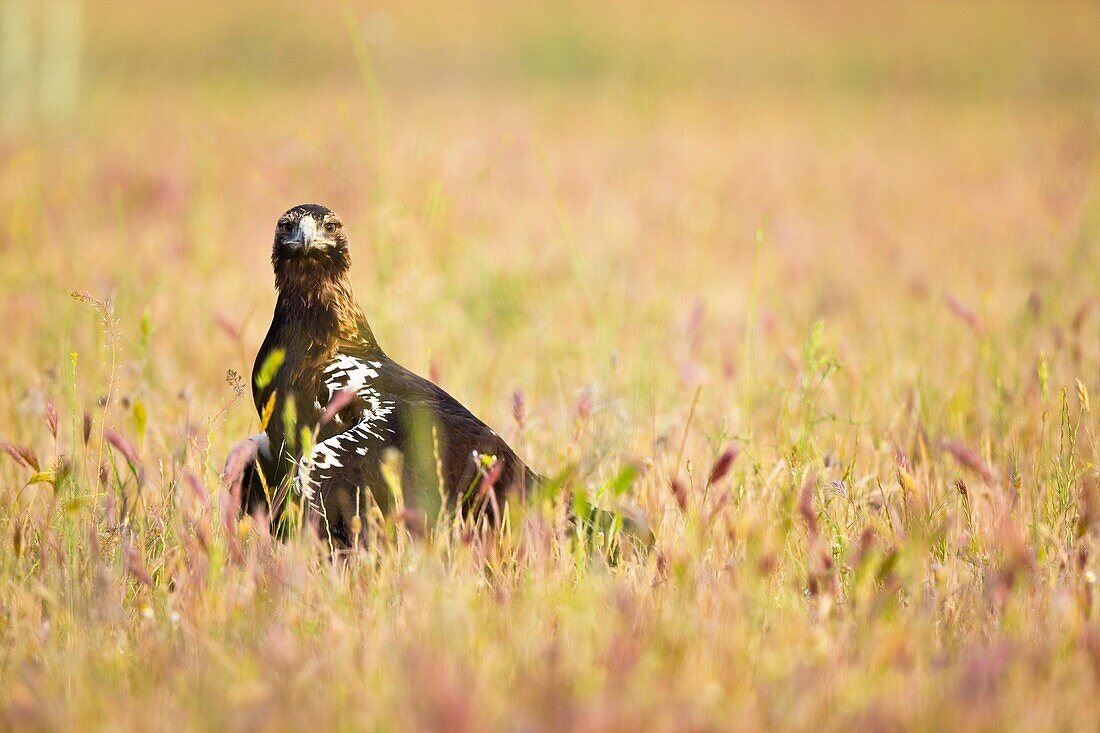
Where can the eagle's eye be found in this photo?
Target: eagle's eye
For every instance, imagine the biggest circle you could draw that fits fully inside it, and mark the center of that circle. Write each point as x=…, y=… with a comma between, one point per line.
x=285, y=227
x=331, y=227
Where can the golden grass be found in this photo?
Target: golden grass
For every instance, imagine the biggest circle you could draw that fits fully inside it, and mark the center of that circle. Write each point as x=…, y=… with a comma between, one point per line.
x=858, y=242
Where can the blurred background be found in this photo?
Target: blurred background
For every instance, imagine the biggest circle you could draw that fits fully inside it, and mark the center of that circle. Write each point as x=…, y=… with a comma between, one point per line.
x=563, y=199
x=852, y=247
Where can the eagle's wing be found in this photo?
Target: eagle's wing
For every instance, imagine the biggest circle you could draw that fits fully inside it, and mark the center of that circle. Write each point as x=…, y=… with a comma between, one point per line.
x=451, y=414
x=366, y=422
x=391, y=406
x=469, y=447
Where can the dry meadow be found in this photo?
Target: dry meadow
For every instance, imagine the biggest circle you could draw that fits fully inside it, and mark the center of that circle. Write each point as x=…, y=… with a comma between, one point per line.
x=812, y=288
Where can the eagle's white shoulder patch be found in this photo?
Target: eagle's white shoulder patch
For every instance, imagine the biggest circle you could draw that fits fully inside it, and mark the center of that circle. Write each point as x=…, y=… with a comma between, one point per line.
x=343, y=373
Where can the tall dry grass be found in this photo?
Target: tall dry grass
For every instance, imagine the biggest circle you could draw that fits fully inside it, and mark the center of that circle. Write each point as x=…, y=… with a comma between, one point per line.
x=824, y=278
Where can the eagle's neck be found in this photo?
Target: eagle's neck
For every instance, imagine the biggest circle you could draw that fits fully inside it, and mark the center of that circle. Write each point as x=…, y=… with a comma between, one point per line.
x=321, y=313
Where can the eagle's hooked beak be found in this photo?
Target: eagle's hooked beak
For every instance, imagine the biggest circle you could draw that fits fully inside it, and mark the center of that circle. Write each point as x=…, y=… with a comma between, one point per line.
x=307, y=232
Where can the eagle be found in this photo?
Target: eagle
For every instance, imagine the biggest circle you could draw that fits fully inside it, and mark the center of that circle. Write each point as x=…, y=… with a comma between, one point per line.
x=338, y=412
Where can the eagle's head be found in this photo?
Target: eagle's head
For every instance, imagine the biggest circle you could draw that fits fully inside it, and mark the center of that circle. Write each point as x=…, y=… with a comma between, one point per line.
x=310, y=242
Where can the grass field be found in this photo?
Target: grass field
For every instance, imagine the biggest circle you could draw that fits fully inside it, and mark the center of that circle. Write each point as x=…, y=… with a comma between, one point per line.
x=854, y=246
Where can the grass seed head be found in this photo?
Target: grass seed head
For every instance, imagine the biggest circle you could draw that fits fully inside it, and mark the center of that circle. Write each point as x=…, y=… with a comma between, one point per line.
x=723, y=464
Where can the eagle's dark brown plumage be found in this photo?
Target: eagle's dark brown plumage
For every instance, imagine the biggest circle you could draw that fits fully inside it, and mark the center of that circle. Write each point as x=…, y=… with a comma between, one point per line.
x=330, y=359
